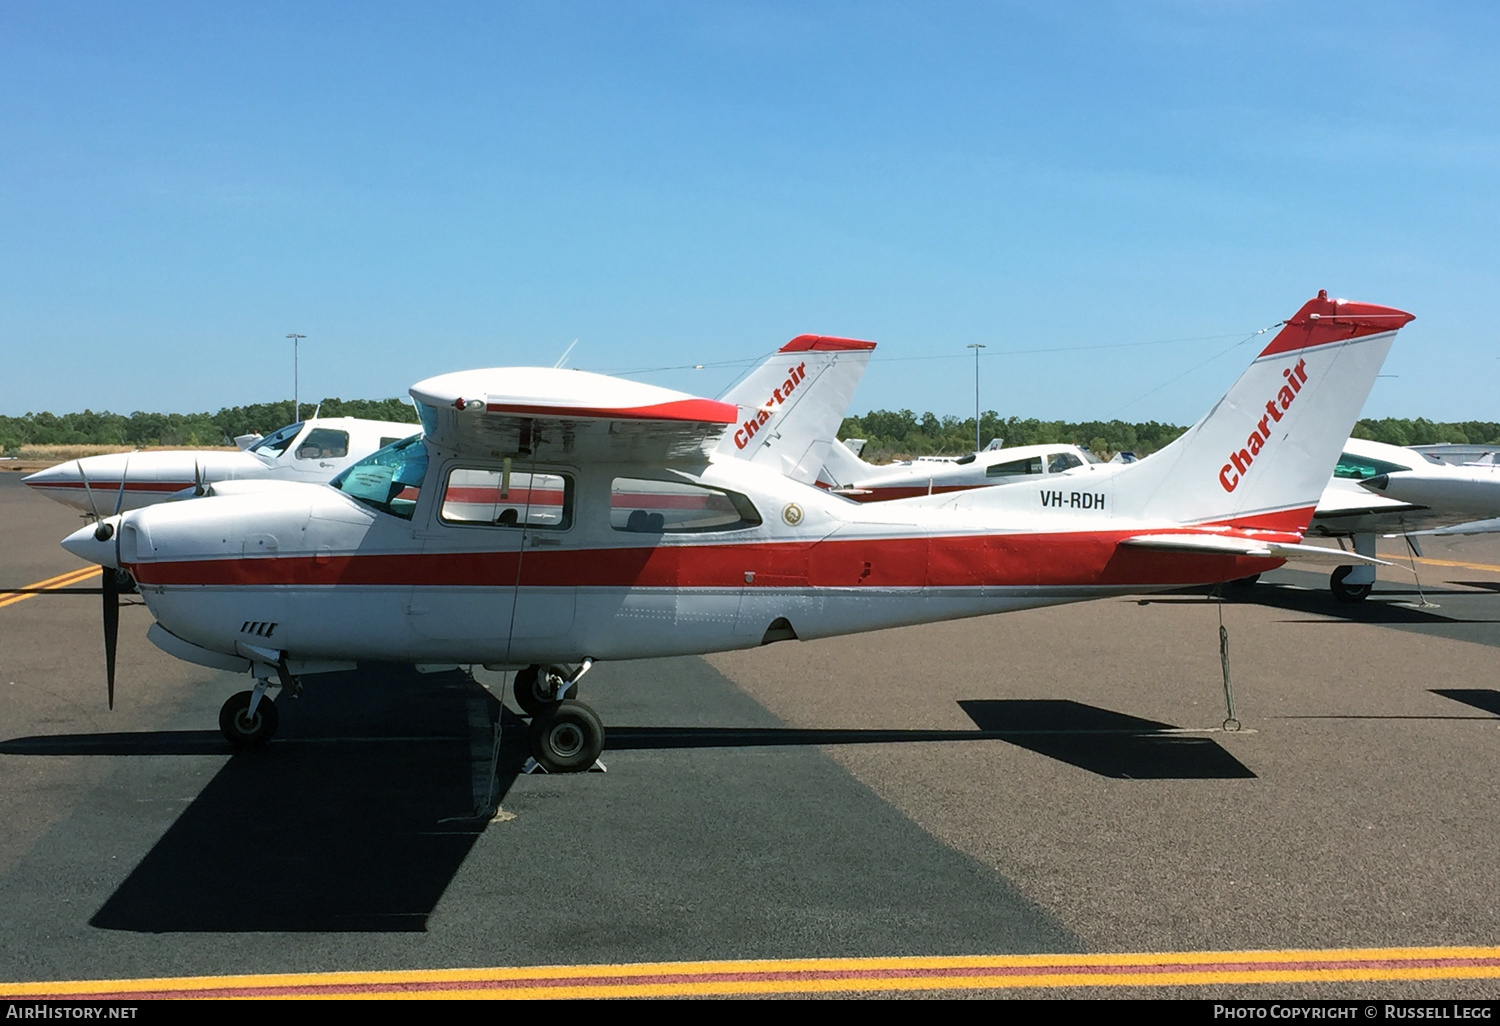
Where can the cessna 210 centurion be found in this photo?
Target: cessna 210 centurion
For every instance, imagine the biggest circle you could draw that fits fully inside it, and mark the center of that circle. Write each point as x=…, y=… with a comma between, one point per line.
x=550, y=518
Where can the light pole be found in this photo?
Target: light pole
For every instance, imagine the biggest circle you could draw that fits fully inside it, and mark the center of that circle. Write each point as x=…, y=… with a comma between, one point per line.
x=976, y=346
x=297, y=394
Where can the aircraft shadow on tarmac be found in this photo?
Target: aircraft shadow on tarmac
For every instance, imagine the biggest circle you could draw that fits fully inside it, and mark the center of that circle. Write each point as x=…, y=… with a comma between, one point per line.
x=355, y=819
x=1101, y=741
x=1486, y=699
x=360, y=813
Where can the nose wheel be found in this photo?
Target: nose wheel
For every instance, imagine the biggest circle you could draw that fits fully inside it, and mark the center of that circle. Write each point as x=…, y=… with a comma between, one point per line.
x=244, y=729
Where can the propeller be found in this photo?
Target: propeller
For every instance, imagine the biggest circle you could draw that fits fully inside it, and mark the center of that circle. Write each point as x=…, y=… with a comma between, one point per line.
x=110, y=582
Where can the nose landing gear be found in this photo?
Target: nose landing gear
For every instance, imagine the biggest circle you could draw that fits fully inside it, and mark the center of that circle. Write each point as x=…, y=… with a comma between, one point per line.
x=243, y=728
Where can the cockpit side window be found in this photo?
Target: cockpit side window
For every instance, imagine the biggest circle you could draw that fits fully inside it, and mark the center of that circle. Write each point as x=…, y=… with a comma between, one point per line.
x=1358, y=468
x=1057, y=462
x=1015, y=468
x=323, y=444
x=389, y=480
x=274, y=444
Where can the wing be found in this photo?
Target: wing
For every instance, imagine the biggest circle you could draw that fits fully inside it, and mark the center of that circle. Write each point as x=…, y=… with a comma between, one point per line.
x=568, y=416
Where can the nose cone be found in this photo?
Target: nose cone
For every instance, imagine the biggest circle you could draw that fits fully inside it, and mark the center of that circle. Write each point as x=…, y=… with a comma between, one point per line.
x=63, y=472
x=96, y=543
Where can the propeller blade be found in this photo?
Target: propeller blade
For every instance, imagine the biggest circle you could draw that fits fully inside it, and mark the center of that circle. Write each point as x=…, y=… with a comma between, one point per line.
x=111, y=591
x=198, y=489
x=88, y=492
x=124, y=474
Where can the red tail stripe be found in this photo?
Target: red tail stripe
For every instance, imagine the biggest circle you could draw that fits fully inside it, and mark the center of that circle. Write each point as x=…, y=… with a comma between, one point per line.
x=1322, y=320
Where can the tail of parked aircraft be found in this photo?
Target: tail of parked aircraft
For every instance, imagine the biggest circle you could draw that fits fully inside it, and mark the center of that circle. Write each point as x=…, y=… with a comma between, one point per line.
x=842, y=466
x=786, y=423
x=1262, y=456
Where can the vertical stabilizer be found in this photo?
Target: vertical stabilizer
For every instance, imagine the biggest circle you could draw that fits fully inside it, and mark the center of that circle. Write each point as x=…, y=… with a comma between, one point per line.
x=787, y=423
x=1262, y=456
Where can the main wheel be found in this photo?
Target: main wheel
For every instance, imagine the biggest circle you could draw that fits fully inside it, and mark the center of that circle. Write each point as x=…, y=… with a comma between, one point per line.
x=567, y=738
x=243, y=730
x=536, y=688
x=1347, y=592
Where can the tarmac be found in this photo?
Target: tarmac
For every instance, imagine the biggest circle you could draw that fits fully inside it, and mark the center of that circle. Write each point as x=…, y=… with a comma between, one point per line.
x=1039, y=804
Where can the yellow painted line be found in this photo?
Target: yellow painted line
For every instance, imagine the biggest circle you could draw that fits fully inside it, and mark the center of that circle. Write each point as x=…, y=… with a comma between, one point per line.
x=1401, y=557
x=50, y=584
x=810, y=975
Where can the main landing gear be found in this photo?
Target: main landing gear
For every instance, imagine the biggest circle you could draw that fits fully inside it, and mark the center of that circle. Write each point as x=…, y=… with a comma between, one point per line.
x=566, y=735
x=1343, y=590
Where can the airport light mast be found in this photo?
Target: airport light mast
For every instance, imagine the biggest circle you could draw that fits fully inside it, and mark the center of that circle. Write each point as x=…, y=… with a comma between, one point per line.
x=297, y=394
x=976, y=346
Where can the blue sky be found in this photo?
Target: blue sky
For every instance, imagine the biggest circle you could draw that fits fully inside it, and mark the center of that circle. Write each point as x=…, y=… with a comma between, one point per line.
x=1109, y=196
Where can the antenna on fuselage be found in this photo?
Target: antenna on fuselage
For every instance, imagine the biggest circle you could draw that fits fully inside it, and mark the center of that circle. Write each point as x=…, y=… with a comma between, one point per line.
x=564, y=357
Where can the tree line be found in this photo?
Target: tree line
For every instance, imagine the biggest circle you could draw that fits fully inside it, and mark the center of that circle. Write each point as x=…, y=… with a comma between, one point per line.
x=901, y=434
x=185, y=429
x=890, y=434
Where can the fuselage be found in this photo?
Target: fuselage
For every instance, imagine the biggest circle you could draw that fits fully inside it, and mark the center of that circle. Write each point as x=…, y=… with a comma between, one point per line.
x=468, y=560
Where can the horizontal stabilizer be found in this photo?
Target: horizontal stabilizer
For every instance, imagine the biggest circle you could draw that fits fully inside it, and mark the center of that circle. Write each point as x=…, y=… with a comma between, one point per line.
x=1226, y=545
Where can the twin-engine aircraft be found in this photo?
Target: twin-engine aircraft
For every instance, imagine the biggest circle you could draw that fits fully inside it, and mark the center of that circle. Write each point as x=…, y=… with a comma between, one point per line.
x=310, y=451
x=550, y=518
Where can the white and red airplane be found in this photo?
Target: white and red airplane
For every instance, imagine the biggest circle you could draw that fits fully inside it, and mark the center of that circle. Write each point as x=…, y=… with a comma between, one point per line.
x=845, y=473
x=310, y=451
x=548, y=519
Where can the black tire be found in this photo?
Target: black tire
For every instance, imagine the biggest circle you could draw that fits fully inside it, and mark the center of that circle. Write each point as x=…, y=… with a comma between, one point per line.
x=240, y=730
x=536, y=689
x=567, y=738
x=1245, y=582
x=1347, y=592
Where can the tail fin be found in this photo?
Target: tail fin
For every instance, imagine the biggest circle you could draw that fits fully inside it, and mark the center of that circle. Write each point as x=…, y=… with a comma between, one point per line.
x=1262, y=456
x=842, y=466
x=792, y=405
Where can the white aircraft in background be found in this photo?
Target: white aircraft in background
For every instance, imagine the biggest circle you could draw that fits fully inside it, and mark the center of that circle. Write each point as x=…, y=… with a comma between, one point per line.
x=1380, y=489
x=312, y=451
x=550, y=518
x=846, y=474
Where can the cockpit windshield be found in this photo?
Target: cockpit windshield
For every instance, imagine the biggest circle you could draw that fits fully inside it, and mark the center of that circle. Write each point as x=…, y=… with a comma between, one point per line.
x=388, y=480
x=274, y=444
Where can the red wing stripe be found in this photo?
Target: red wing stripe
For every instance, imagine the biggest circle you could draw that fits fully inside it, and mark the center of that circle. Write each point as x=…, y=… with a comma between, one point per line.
x=684, y=411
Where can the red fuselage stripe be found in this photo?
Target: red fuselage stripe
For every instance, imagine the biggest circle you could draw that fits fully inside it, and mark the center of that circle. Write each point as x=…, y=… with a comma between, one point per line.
x=1033, y=560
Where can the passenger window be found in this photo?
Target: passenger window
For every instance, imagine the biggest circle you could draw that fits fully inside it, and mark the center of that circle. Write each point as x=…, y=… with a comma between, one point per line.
x=324, y=444
x=514, y=499
x=661, y=507
x=1060, y=461
x=1015, y=468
